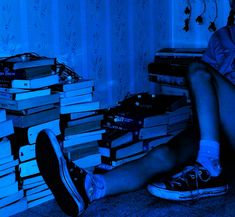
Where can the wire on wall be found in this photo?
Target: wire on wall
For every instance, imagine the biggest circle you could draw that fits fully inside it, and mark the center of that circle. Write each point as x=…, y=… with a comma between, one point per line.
x=212, y=27
x=188, y=12
x=199, y=18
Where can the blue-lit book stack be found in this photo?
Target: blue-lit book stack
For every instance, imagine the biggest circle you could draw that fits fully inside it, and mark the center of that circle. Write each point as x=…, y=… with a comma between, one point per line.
x=12, y=198
x=26, y=95
x=170, y=68
x=80, y=123
x=140, y=123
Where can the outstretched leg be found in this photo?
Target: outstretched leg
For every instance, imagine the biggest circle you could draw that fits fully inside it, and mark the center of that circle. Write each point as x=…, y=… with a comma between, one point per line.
x=74, y=188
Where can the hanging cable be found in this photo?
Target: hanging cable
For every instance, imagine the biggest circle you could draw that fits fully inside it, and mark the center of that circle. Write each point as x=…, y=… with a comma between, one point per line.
x=199, y=19
x=212, y=27
x=188, y=12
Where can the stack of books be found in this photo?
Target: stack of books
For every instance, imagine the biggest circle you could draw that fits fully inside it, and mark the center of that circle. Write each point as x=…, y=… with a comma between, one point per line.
x=30, y=104
x=12, y=198
x=170, y=68
x=35, y=188
x=139, y=124
x=80, y=122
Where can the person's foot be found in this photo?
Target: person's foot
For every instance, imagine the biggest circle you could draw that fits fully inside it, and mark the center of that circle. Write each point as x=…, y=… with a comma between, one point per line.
x=64, y=178
x=192, y=183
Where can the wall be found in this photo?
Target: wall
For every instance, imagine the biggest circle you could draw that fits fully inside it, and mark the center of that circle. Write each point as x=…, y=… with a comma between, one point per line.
x=110, y=41
x=198, y=35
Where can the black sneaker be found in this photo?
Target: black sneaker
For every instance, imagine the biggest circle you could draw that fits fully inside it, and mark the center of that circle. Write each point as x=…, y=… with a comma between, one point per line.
x=192, y=183
x=64, y=178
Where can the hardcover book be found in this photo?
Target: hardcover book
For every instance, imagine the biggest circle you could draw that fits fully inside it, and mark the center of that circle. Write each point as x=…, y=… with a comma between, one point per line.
x=29, y=135
x=24, y=94
x=29, y=103
x=123, y=151
x=82, y=128
x=14, y=208
x=76, y=99
x=16, y=64
x=115, y=138
x=80, y=107
x=115, y=163
x=81, y=84
x=35, y=83
x=24, y=121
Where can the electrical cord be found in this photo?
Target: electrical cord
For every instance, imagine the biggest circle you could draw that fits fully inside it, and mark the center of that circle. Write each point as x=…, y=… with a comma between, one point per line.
x=67, y=75
x=199, y=19
x=188, y=12
x=212, y=27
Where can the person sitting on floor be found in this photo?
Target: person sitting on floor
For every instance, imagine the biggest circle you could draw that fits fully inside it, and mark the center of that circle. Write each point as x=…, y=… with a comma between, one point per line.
x=212, y=83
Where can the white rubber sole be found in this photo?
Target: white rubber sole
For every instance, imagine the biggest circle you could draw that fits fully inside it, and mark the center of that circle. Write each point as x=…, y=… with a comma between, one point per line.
x=186, y=195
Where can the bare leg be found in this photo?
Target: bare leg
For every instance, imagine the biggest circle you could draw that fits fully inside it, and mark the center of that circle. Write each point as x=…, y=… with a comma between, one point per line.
x=205, y=100
x=136, y=174
x=214, y=100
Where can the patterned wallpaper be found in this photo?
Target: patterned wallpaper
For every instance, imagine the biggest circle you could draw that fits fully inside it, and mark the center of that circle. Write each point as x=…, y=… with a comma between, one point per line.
x=110, y=41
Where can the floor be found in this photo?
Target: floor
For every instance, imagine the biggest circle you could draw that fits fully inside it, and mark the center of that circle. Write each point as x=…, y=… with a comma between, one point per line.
x=141, y=204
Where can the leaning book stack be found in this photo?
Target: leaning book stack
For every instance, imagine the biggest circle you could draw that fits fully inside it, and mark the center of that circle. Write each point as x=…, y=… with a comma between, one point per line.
x=139, y=124
x=12, y=199
x=80, y=123
x=31, y=106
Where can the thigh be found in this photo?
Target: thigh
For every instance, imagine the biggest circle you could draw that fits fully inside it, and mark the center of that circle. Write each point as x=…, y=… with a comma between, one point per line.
x=226, y=99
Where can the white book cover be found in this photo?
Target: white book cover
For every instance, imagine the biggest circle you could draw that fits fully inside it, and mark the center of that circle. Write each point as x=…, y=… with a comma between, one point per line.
x=81, y=135
x=36, y=83
x=14, y=208
x=28, y=168
x=24, y=94
x=78, y=92
x=27, y=152
x=33, y=185
x=5, y=147
x=75, y=99
x=38, y=195
x=80, y=107
x=33, y=131
x=7, y=159
x=89, y=161
x=128, y=159
x=7, y=171
x=32, y=180
x=81, y=84
x=73, y=142
x=7, y=179
x=6, y=128
x=8, y=165
x=31, y=94
x=8, y=190
x=2, y=115
x=77, y=115
x=40, y=201
x=11, y=198
x=36, y=189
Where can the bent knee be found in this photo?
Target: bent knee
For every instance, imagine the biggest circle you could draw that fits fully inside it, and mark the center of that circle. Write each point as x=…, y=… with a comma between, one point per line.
x=198, y=71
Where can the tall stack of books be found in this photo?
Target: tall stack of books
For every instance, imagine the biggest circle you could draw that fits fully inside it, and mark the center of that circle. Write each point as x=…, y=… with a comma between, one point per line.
x=12, y=198
x=170, y=68
x=80, y=122
x=35, y=188
x=30, y=104
x=139, y=124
